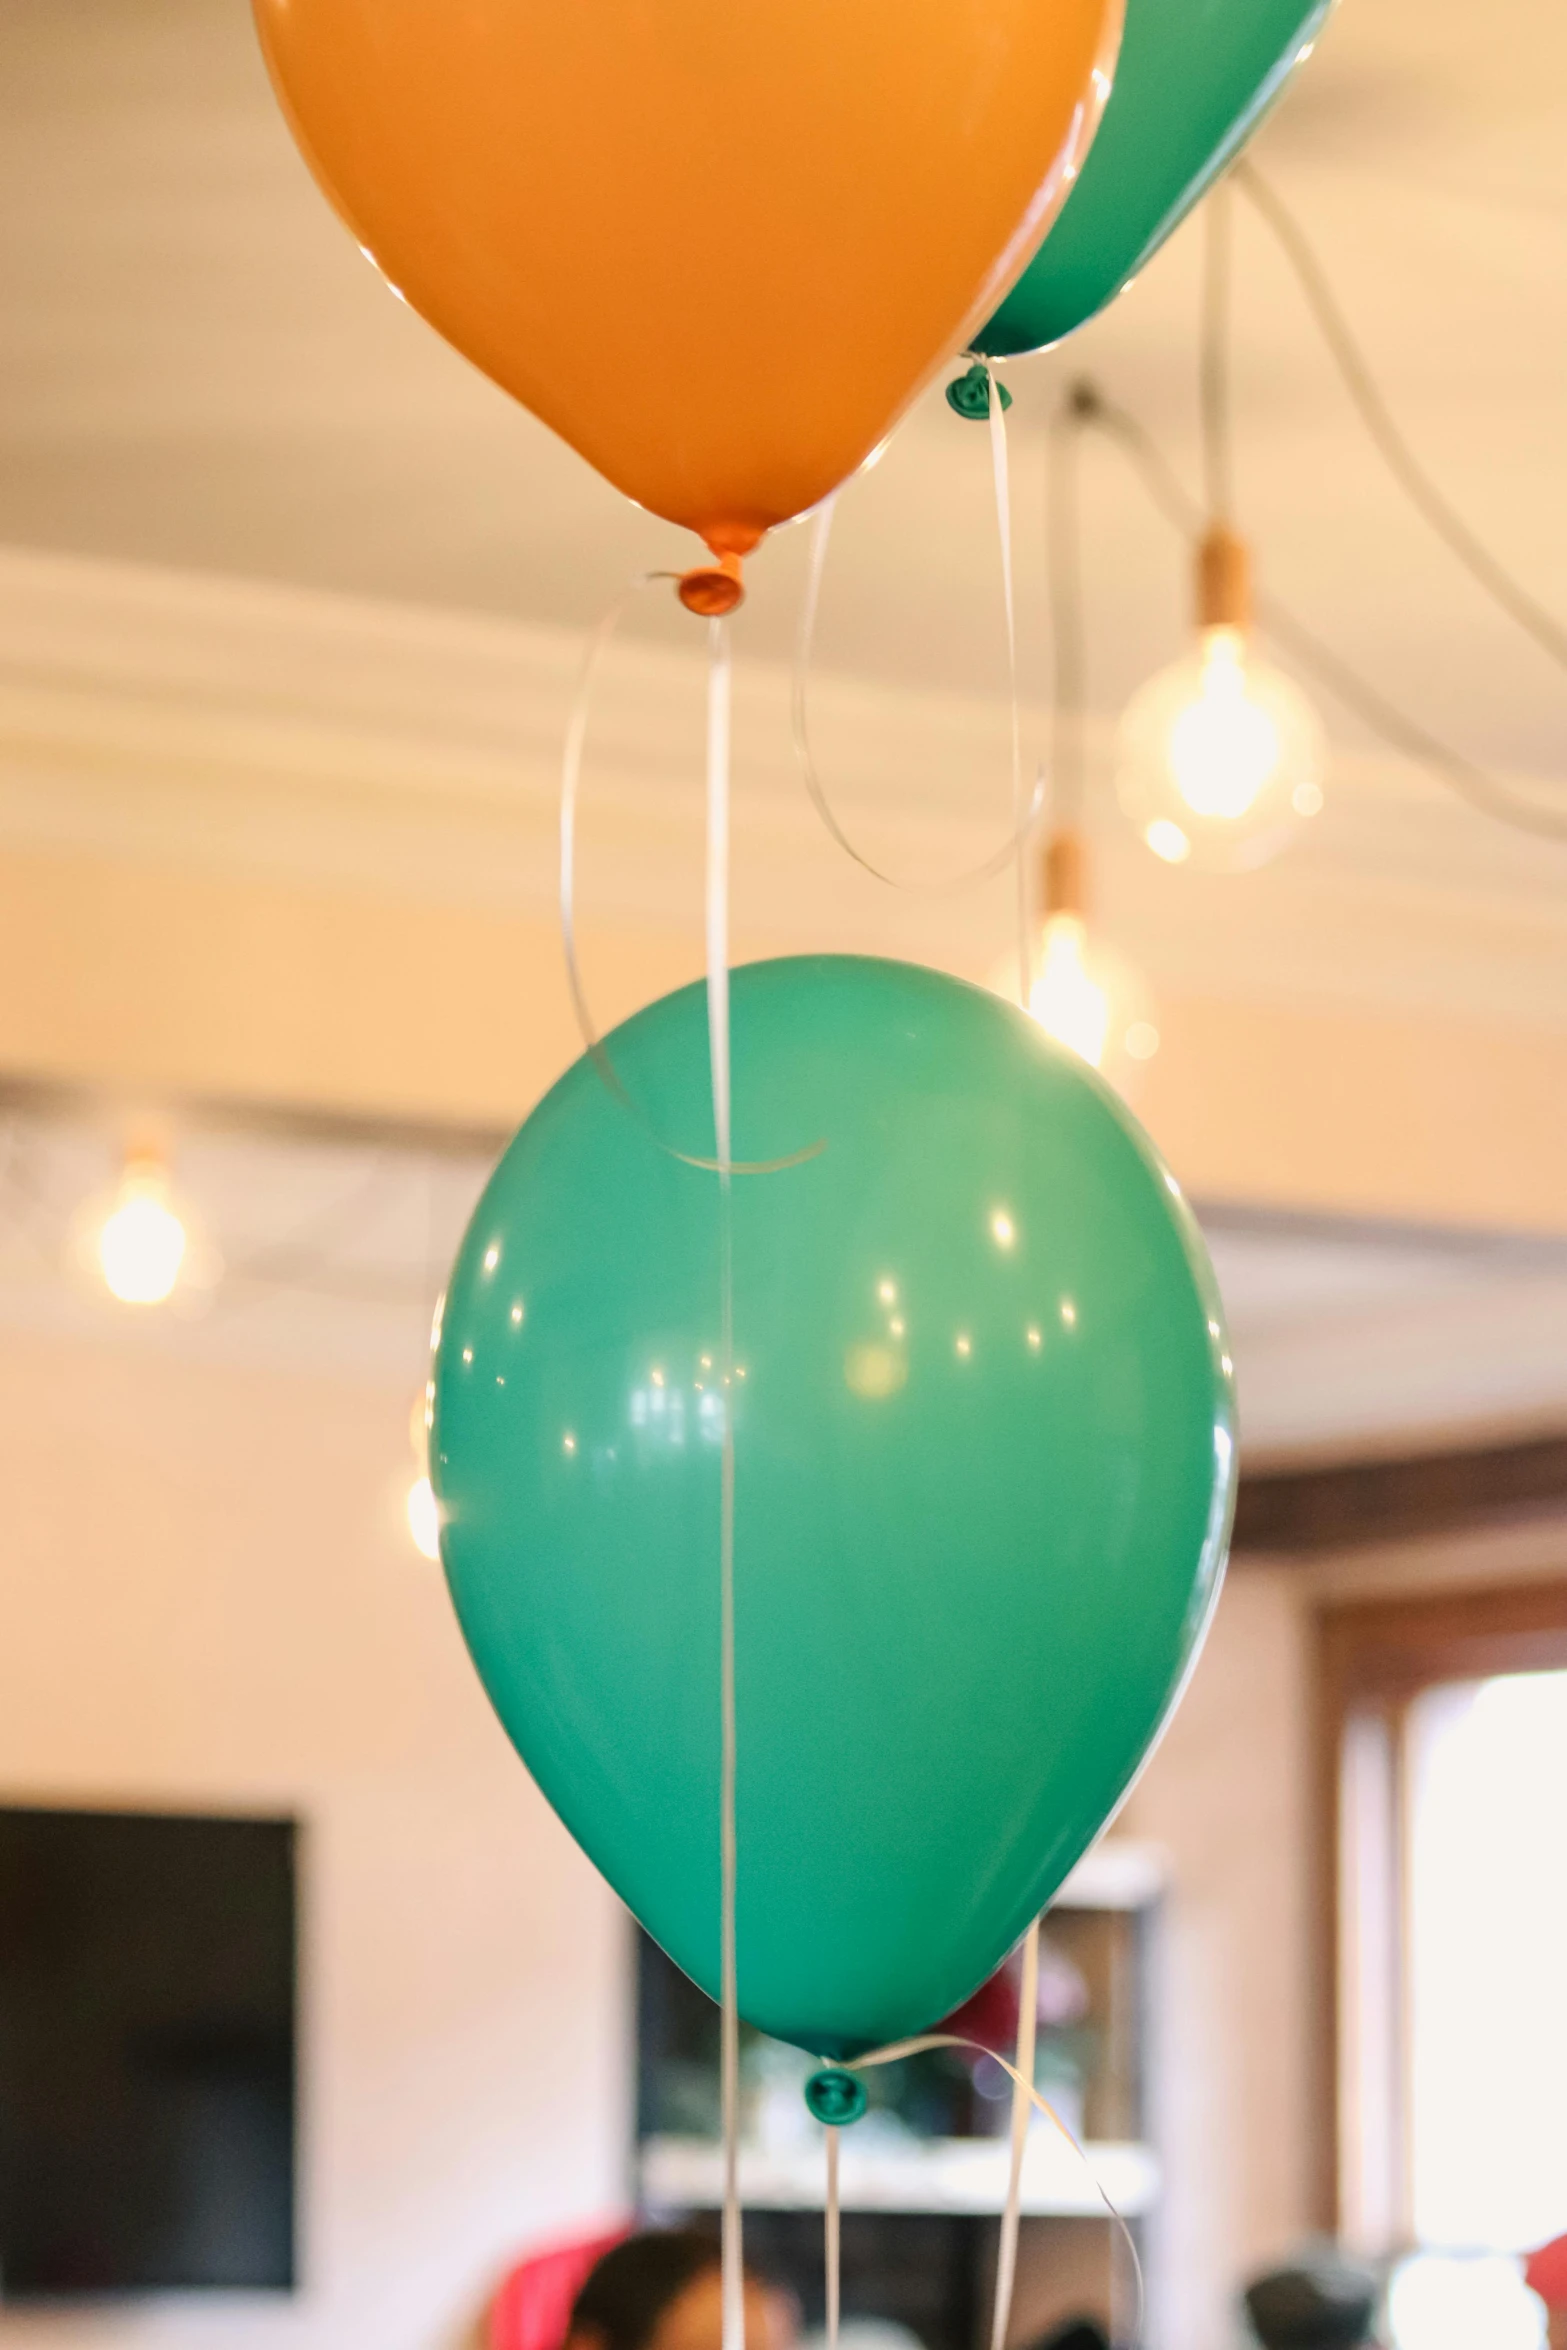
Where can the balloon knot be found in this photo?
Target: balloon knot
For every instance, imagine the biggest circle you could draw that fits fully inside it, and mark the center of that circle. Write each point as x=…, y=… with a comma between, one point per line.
x=712, y=589
x=969, y=395
x=836, y=2097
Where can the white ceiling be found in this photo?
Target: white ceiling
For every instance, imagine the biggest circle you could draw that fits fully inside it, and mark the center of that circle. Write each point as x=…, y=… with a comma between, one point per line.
x=196, y=368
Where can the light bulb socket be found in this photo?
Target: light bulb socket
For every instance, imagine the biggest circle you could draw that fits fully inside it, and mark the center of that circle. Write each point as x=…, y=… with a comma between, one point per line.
x=1063, y=873
x=1223, y=580
x=144, y=1170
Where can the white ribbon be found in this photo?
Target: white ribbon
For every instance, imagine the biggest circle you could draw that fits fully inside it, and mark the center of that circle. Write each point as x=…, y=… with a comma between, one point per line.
x=1022, y=2115
x=718, y=729
x=833, y=2237
x=1026, y=2100
x=1015, y=845
x=1021, y=819
x=1027, y=2095
x=570, y=794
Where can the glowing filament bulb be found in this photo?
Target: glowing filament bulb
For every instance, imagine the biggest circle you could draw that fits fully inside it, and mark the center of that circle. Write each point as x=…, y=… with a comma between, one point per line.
x=1219, y=757
x=424, y=1518
x=1065, y=999
x=141, y=1245
x=1224, y=747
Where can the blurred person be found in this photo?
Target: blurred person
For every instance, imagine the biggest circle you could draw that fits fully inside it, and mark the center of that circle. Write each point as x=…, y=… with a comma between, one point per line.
x=532, y=2307
x=1318, y=2303
x=1545, y=2273
x=1079, y=2333
x=664, y=2291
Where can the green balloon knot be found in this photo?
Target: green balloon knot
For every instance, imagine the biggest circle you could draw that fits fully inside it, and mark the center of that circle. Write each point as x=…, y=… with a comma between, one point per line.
x=969, y=395
x=836, y=2097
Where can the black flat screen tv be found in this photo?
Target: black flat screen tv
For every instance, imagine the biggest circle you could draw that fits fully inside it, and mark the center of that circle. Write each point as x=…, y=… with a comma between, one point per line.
x=147, y=2053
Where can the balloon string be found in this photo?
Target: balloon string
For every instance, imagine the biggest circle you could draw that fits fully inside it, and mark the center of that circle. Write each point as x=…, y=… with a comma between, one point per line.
x=570, y=795
x=897, y=2050
x=1022, y=821
x=718, y=736
x=1022, y=2115
x=732, y=2249
x=834, y=2262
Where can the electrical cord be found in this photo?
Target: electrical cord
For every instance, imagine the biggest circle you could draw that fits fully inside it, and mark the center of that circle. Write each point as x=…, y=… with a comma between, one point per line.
x=1549, y=633
x=1086, y=407
x=1218, y=448
x=1069, y=695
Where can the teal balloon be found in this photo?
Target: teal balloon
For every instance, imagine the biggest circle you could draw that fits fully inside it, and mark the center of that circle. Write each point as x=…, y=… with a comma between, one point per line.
x=1194, y=80
x=983, y=1458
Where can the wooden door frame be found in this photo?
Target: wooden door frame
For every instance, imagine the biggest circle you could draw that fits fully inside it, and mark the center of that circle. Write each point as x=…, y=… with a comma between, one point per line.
x=1377, y=1655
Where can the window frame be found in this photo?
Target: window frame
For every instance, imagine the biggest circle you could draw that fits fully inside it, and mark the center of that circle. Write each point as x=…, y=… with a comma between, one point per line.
x=1374, y=1657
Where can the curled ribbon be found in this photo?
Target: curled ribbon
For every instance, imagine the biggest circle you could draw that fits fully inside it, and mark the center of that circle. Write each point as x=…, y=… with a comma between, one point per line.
x=1024, y=814
x=1026, y=2100
x=570, y=795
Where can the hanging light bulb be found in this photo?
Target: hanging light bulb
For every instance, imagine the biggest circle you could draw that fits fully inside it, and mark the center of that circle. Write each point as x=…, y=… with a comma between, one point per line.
x=1220, y=757
x=1069, y=1002
x=141, y=1243
x=424, y=1518
x=1083, y=994
x=422, y=1509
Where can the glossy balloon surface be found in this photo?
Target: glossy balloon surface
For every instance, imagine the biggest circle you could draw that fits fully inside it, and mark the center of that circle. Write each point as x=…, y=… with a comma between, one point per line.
x=1195, y=78
x=717, y=246
x=982, y=1432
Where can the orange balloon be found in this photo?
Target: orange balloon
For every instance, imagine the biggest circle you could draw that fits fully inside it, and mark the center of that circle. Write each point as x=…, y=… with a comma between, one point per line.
x=718, y=245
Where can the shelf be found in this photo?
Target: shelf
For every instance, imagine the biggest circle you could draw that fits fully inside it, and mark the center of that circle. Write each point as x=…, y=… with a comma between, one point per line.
x=937, y=2175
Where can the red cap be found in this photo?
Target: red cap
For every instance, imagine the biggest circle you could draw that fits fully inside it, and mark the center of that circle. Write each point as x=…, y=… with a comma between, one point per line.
x=1546, y=2273
x=532, y=2310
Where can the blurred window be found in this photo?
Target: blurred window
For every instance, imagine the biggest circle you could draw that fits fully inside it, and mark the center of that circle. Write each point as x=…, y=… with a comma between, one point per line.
x=1486, y=1769
x=1445, y=1746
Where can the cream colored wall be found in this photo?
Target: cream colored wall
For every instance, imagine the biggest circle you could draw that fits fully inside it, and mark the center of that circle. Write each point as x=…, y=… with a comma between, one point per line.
x=206, y=1599
x=1225, y=1798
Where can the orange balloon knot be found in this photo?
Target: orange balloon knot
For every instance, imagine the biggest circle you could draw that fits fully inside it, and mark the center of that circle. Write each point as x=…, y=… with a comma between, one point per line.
x=969, y=395
x=713, y=589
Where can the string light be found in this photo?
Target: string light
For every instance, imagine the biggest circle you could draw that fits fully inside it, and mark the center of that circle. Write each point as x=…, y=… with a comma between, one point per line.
x=142, y=1242
x=1220, y=756
x=1084, y=995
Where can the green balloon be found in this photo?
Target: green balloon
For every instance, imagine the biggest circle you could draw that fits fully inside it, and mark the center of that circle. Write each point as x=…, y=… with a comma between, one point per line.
x=1195, y=78
x=983, y=1444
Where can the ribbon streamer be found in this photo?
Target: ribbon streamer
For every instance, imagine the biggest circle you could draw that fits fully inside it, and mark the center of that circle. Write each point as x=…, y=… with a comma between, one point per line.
x=1020, y=823
x=1022, y=2114
x=1023, y=818
x=834, y=2263
x=718, y=733
x=1027, y=2094
x=718, y=737
x=570, y=795
x=1026, y=2099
